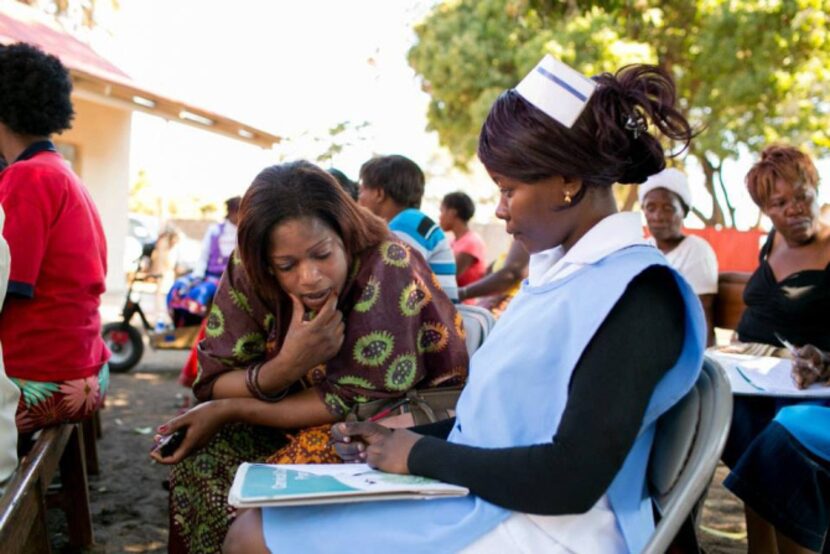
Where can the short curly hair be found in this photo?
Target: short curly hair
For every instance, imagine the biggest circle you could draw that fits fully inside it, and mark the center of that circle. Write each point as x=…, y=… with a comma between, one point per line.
x=783, y=162
x=35, y=90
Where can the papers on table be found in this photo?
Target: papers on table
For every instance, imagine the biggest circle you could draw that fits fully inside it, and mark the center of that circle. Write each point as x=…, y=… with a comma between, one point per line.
x=296, y=485
x=763, y=375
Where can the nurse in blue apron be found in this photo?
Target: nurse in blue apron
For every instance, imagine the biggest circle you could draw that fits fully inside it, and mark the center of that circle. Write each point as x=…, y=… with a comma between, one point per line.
x=553, y=431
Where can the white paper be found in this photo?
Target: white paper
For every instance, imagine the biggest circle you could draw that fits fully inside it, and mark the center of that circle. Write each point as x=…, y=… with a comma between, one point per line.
x=763, y=376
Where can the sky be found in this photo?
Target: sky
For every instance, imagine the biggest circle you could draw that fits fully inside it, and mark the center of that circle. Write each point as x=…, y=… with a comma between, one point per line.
x=296, y=69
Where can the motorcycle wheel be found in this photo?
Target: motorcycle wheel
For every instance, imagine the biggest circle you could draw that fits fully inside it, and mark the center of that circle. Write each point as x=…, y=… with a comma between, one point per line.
x=125, y=343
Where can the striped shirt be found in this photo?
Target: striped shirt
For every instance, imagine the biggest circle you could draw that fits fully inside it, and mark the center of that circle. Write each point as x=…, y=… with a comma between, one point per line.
x=418, y=230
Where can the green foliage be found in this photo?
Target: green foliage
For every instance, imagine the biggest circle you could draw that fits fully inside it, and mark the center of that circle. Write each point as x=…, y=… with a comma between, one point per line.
x=340, y=137
x=748, y=72
x=77, y=15
x=143, y=199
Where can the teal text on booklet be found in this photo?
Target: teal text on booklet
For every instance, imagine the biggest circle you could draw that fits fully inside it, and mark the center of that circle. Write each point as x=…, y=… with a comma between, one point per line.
x=296, y=485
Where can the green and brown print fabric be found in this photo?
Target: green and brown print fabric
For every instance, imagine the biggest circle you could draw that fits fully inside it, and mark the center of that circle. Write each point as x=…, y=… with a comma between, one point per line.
x=402, y=331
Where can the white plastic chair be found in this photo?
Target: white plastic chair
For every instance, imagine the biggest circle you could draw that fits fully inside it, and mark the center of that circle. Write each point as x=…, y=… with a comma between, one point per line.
x=477, y=325
x=689, y=440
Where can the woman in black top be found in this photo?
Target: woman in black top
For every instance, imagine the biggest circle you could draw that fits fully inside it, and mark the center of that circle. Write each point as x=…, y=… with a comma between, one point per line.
x=788, y=294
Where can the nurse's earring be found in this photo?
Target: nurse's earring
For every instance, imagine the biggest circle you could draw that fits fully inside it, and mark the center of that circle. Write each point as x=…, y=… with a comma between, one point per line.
x=568, y=198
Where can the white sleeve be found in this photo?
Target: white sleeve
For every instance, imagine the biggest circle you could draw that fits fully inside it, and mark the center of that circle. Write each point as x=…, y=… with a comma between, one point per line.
x=701, y=269
x=200, y=268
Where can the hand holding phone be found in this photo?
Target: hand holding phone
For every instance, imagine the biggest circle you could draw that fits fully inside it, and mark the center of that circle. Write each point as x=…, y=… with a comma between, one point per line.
x=168, y=445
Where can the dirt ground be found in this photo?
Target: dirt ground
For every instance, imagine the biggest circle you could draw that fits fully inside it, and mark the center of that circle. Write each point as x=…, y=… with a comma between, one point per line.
x=129, y=503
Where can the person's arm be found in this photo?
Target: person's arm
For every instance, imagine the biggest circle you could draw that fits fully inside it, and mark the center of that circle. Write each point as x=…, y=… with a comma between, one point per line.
x=32, y=205
x=200, y=267
x=463, y=261
x=708, y=303
x=502, y=280
x=608, y=397
x=299, y=410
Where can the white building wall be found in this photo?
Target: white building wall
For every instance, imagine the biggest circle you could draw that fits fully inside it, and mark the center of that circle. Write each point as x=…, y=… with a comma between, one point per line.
x=100, y=136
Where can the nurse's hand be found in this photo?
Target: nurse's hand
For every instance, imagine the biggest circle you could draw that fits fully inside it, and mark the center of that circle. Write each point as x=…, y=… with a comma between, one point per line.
x=380, y=447
x=810, y=365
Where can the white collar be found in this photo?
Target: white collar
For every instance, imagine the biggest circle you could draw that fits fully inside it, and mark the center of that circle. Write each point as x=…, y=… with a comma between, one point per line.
x=612, y=233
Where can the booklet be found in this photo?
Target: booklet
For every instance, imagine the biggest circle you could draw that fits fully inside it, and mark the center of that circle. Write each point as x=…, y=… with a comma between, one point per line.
x=297, y=485
x=764, y=376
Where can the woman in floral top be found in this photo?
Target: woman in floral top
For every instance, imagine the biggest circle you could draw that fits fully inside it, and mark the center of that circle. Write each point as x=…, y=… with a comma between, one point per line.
x=322, y=309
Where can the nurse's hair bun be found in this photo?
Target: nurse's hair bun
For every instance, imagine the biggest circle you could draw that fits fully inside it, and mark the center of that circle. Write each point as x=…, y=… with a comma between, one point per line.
x=629, y=109
x=614, y=139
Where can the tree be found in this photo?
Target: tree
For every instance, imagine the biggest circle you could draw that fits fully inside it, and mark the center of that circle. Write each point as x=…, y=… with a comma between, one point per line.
x=748, y=72
x=143, y=198
x=79, y=16
x=338, y=138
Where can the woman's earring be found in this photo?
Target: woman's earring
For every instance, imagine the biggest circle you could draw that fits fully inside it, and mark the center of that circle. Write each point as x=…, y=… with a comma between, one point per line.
x=568, y=198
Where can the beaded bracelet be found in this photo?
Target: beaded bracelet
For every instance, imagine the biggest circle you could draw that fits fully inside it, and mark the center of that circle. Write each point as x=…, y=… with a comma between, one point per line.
x=252, y=382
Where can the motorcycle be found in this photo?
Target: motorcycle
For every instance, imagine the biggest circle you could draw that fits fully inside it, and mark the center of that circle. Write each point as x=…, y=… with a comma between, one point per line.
x=126, y=341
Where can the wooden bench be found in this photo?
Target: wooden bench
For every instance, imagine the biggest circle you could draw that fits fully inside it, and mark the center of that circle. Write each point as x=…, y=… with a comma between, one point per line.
x=92, y=432
x=25, y=500
x=729, y=302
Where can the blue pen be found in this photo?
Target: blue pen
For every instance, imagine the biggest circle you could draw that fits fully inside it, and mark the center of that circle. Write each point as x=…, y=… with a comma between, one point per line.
x=747, y=379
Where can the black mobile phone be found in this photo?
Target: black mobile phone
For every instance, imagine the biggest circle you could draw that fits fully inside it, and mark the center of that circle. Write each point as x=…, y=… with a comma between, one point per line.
x=168, y=445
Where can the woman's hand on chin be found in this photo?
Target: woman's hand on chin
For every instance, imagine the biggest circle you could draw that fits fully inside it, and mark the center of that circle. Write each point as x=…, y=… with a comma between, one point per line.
x=380, y=447
x=310, y=343
x=200, y=424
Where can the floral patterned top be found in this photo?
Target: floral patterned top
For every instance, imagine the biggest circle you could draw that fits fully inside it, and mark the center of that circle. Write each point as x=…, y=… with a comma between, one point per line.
x=402, y=331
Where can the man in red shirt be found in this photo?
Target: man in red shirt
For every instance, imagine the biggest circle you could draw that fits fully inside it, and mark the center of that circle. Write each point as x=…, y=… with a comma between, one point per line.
x=50, y=328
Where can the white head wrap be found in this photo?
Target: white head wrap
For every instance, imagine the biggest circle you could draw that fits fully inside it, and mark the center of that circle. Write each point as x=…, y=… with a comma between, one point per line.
x=670, y=179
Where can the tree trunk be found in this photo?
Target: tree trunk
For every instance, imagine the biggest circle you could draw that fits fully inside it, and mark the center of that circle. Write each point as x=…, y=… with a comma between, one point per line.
x=726, y=199
x=709, y=182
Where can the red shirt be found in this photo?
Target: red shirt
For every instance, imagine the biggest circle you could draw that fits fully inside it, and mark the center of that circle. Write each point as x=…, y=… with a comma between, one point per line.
x=50, y=327
x=472, y=244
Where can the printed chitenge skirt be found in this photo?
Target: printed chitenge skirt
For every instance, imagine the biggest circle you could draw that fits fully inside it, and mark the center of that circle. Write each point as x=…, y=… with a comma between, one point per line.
x=199, y=511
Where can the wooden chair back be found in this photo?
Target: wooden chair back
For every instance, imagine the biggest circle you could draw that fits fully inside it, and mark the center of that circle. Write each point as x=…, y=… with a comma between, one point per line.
x=729, y=302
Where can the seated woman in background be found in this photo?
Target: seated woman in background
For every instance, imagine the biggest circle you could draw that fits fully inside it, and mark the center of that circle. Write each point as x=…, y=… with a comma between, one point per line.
x=190, y=296
x=788, y=294
x=321, y=310
x=554, y=427
x=457, y=209
x=665, y=199
x=50, y=326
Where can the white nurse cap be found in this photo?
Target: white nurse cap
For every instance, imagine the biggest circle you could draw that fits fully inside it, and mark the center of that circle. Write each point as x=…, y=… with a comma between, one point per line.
x=557, y=89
